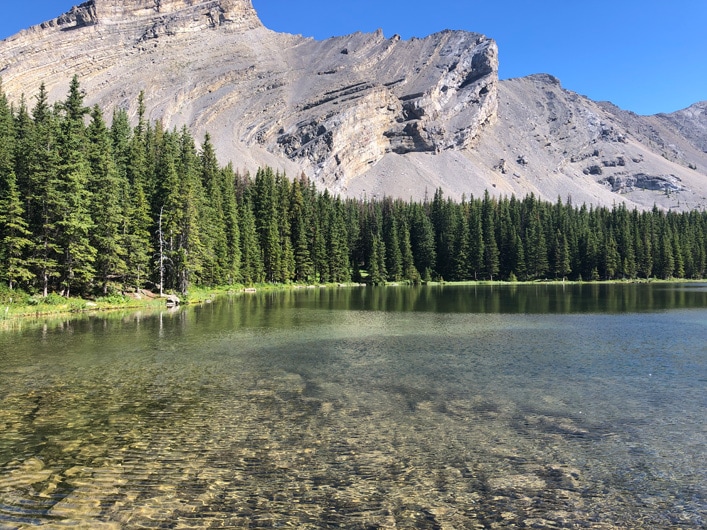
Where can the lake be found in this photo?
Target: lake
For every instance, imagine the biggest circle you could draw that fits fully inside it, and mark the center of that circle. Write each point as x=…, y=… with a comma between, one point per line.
x=523, y=406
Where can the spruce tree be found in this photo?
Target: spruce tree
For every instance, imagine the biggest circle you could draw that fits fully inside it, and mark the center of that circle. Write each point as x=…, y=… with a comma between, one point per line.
x=393, y=256
x=251, y=270
x=42, y=167
x=108, y=191
x=14, y=235
x=377, y=272
x=491, y=253
x=214, y=239
x=266, y=222
x=231, y=267
x=339, y=270
x=300, y=219
x=477, y=249
x=14, y=232
x=422, y=240
x=71, y=199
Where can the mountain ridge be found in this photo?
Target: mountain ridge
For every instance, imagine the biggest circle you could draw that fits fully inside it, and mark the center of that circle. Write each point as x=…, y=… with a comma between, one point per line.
x=362, y=113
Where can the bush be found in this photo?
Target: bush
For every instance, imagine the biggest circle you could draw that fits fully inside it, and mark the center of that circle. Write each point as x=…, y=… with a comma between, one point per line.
x=113, y=299
x=53, y=299
x=12, y=297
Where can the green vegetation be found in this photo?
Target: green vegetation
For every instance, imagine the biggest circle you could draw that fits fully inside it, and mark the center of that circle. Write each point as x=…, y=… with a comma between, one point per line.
x=100, y=211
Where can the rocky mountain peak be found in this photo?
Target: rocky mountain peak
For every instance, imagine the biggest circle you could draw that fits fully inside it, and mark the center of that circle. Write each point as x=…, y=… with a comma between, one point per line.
x=174, y=15
x=361, y=114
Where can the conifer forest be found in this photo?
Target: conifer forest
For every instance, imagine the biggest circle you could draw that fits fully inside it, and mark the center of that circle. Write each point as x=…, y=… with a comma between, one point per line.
x=89, y=209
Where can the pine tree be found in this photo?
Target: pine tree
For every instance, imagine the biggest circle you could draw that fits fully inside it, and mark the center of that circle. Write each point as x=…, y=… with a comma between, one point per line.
x=14, y=233
x=321, y=237
x=491, y=253
x=393, y=256
x=536, y=247
x=23, y=150
x=189, y=256
x=136, y=237
x=476, y=240
x=42, y=166
x=422, y=240
x=232, y=265
x=266, y=222
x=339, y=270
x=562, y=256
x=299, y=220
x=377, y=272
x=286, y=272
x=251, y=271
x=215, y=242
x=665, y=262
x=410, y=272
x=70, y=202
x=108, y=190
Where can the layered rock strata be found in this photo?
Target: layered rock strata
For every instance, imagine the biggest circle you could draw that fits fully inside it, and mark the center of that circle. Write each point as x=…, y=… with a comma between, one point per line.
x=361, y=114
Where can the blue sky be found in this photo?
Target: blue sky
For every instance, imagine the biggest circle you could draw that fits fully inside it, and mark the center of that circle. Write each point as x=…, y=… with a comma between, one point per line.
x=647, y=56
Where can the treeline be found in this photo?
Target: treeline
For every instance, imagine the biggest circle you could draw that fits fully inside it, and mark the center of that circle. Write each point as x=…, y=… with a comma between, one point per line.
x=92, y=209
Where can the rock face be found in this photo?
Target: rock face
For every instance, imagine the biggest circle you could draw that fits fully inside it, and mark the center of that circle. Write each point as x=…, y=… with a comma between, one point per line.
x=361, y=114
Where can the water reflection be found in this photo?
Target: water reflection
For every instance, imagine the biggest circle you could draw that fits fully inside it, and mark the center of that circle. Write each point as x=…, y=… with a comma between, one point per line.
x=503, y=298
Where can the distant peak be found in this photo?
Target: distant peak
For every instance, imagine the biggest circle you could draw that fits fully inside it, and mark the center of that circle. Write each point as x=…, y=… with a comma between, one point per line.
x=198, y=13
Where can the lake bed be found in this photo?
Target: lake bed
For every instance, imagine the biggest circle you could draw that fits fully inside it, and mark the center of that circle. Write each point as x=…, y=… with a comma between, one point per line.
x=550, y=406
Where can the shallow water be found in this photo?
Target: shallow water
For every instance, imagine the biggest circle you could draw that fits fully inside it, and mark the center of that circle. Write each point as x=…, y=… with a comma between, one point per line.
x=448, y=407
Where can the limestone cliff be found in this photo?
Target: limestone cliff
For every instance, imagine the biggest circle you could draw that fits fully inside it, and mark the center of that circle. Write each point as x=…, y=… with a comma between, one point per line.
x=363, y=113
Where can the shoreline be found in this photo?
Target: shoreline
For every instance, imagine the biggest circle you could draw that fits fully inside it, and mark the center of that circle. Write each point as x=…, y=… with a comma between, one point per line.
x=75, y=307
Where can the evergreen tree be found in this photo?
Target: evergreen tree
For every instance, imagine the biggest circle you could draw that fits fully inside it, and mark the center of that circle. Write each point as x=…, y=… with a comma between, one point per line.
x=463, y=239
x=410, y=272
x=14, y=232
x=42, y=166
x=377, y=272
x=611, y=258
x=476, y=241
x=562, y=256
x=286, y=272
x=266, y=222
x=536, y=246
x=393, y=256
x=215, y=241
x=339, y=270
x=24, y=148
x=108, y=189
x=299, y=221
x=70, y=203
x=422, y=239
x=189, y=256
x=251, y=270
x=491, y=253
x=232, y=265
x=138, y=249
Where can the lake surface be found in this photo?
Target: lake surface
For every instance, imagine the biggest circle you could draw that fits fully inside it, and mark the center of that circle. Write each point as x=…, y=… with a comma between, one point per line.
x=445, y=407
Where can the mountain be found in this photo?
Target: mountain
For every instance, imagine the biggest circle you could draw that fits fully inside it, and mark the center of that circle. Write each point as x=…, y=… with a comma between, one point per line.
x=362, y=114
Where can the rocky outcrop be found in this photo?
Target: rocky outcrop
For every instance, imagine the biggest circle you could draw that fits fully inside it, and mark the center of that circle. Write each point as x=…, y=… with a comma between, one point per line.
x=629, y=183
x=171, y=16
x=389, y=96
x=362, y=113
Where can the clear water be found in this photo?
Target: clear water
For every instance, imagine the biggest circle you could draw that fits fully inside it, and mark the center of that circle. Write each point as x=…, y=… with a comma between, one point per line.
x=447, y=407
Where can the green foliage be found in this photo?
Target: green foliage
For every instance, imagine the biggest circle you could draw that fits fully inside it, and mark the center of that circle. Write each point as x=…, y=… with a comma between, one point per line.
x=113, y=299
x=98, y=210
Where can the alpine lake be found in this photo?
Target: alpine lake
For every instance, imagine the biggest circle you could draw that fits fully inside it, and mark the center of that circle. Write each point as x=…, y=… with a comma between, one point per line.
x=449, y=407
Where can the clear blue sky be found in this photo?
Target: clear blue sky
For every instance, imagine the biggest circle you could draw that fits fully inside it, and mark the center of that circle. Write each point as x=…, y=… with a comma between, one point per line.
x=647, y=56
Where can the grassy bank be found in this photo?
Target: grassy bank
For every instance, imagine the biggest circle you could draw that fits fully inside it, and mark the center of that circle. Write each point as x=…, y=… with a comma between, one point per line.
x=16, y=305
